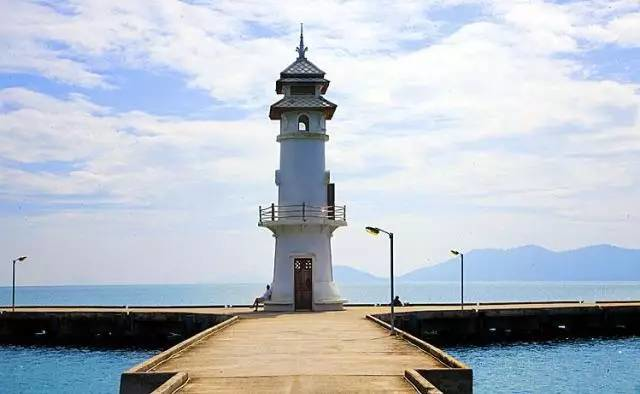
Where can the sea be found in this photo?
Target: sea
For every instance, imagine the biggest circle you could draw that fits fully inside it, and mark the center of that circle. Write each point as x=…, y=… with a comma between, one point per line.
x=593, y=365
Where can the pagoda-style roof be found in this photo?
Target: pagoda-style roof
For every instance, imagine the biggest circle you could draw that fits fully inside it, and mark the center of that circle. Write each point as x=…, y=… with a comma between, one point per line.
x=302, y=72
x=302, y=67
x=301, y=103
x=299, y=80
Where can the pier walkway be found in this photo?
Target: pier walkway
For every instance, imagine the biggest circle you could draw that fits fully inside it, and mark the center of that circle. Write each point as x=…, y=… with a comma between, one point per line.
x=315, y=351
x=300, y=352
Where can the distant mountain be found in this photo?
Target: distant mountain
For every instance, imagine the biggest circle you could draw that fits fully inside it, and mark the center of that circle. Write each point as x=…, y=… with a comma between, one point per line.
x=345, y=274
x=532, y=263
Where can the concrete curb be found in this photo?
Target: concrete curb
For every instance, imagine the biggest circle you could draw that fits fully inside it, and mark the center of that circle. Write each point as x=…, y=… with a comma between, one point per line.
x=420, y=383
x=158, y=359
x=437, y=353
x=170, y=386
x=454, y=377
x=141, y=378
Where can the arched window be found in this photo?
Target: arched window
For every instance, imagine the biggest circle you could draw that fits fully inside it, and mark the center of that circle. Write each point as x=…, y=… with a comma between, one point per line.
x=303, y=123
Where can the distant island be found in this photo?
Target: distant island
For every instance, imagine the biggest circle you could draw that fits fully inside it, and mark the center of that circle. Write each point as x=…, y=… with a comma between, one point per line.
x=346, y=274
x=525, y=263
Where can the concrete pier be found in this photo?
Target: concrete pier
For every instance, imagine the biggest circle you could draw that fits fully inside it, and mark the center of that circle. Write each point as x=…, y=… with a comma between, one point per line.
x=301, y=352
x=513, y=322
x=102, y=327
x=345, y=351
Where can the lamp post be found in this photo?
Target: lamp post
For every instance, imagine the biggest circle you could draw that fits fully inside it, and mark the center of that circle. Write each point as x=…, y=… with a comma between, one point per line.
x=13, y=292
x=376, y=231
x=456, y=253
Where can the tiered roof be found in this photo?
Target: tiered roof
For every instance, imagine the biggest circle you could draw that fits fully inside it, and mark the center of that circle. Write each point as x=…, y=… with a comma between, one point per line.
x=302, y=102
x=302, y=72
x=303, y=68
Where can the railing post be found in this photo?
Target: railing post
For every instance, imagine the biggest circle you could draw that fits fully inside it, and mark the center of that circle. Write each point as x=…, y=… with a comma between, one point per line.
x=303, y=218
x=273, y=212
x=259, y=213
x=344, y=213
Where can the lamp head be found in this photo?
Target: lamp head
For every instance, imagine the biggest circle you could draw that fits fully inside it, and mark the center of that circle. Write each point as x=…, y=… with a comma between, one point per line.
x=372, y=230
x=455, y=252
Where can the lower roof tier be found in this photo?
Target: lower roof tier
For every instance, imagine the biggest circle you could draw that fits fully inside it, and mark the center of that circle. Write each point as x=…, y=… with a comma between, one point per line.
x=292, y=103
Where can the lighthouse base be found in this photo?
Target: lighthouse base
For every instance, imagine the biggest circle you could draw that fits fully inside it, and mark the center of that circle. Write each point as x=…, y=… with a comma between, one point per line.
x=330, y=306
x=325, y=298
x=302, y=274
x=270, y=306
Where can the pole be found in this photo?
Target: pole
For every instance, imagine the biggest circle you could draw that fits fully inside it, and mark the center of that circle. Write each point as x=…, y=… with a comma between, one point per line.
x=13, y=289
x=461, y=281
x=393, y=317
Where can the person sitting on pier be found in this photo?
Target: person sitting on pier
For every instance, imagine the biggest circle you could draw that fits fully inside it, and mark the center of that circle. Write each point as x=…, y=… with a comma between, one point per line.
x=265, y=297
x=397, y=302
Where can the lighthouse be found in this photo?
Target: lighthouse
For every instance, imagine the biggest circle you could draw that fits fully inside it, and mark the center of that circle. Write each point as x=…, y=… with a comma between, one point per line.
x=306, y=215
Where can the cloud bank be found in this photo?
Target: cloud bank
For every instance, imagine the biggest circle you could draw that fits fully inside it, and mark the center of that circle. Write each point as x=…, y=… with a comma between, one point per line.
x=460, y=123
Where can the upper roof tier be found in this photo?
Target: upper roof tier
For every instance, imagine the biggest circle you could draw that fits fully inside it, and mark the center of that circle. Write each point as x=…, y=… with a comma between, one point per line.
x=302, y=71
x=302, y=67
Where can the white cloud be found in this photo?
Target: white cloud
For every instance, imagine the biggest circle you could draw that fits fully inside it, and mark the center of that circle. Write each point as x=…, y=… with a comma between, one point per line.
x=625, y=29
x=494, y=126
x=131, y=157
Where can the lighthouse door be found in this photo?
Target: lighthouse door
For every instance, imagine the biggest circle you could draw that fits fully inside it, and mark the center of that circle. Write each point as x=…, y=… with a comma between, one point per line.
x=303, y=283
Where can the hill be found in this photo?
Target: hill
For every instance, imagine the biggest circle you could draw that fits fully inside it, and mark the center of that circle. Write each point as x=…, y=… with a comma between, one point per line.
x=345, y=274
x=534, y=263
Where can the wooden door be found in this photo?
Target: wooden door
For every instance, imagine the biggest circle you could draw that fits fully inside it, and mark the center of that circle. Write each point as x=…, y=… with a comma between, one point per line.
x=303, y=283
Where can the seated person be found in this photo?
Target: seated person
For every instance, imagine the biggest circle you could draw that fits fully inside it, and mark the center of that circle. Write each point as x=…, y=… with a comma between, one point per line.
x=265, y=297
x=397, y=302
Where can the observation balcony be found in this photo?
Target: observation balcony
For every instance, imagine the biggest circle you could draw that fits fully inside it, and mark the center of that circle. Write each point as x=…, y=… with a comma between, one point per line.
x=277, y=215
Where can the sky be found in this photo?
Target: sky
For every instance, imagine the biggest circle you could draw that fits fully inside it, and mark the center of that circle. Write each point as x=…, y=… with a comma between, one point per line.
x=135, y=144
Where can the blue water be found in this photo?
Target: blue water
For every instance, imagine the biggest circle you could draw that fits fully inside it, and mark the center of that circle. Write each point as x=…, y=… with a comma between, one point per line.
x=238, y=294
x=572, y=366
x=28, y=369
x=567, y=366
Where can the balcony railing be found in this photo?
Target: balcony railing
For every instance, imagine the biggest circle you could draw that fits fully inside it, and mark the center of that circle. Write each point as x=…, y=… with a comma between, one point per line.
x=302, y=212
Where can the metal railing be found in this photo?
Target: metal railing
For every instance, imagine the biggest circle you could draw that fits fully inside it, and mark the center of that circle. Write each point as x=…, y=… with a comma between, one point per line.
x=302, y=211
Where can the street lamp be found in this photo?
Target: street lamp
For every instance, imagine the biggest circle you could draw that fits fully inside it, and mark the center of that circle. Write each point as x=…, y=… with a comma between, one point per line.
x=13, y=292
x=376, y=231
x=456, y=253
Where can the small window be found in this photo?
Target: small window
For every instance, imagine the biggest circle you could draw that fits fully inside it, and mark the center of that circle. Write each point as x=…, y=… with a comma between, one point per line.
x=303, y=123
x=304, y=89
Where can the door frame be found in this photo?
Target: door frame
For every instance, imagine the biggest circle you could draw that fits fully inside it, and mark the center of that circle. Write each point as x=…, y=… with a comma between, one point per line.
x=293, y=275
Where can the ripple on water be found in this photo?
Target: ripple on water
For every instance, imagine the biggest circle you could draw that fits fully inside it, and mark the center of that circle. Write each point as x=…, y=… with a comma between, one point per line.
x=57, y=369
x=566, y=366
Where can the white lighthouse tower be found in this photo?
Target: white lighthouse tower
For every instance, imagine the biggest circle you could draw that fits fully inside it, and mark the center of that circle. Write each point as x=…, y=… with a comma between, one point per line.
x=306, y=215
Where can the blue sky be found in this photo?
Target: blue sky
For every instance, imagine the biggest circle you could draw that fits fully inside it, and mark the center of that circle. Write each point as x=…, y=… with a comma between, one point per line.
x=135, y=140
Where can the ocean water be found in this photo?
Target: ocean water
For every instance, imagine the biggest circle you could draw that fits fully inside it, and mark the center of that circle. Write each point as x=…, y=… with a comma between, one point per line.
x=238, y=294
x=571, y=366
x=568, y=366
x=30, y=369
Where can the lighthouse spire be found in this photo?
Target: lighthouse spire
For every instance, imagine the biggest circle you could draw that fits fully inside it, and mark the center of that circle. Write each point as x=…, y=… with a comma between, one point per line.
x=301, y=49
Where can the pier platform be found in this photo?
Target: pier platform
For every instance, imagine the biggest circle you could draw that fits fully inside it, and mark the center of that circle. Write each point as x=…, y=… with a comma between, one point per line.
x=301, y=352
x=342, y=351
